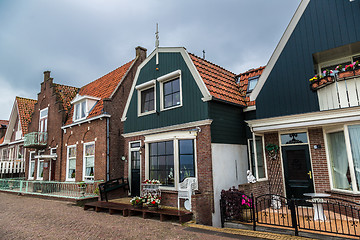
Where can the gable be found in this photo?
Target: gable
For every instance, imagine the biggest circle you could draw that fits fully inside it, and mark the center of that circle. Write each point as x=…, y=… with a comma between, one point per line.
x=194, y=92
x=322, y=25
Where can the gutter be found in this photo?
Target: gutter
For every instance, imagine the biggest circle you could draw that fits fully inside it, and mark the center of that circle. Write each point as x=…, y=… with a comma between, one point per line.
x=107, y=150
x=86, y=120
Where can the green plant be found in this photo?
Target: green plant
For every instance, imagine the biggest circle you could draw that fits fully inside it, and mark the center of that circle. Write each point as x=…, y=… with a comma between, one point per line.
x=97, y=191
x=82, y=184
x=137, y=201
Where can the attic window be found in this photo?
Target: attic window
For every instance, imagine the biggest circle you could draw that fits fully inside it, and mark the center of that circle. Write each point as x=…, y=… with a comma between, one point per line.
x=252, y=83
x=80, y=110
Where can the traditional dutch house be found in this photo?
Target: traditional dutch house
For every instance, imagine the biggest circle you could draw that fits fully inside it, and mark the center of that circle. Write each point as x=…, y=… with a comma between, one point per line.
x=315, y=125
x=12, y=154
x=180, y=121
x=44, y=138
x=92, y=145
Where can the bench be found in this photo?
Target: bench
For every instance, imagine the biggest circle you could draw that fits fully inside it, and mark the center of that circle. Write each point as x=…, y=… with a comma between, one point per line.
x=112, y=185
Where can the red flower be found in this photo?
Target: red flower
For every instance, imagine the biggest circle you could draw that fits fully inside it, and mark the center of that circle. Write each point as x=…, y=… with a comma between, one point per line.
x=153, y=202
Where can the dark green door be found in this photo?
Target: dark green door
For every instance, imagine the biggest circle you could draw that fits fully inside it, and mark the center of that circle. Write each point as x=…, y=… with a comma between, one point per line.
x=135, y=173
x=297, y=171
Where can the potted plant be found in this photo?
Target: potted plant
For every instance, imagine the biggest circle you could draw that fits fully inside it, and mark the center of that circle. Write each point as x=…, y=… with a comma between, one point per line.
x=137, y=202
x=82, y=187
x=319, y=81
x=246, y=205
x=349, y=71
x=153, y=201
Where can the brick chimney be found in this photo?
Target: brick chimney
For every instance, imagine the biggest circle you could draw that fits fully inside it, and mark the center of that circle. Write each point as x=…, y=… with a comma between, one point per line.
x=141, y=52
x=46, y=75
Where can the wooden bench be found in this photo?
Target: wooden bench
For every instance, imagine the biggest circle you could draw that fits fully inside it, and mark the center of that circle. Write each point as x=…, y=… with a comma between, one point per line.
x=111, y=207
x=112, y=185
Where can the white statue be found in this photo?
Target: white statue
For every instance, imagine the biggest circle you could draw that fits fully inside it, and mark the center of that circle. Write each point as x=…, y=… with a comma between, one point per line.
x=250, y=177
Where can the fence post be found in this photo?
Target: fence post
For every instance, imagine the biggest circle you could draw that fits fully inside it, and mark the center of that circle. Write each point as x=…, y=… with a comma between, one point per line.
x=293, y=216
x=253, y=211
x=21, y=183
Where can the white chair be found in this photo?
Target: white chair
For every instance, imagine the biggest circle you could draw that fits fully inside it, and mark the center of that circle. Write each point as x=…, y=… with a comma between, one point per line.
x=185, y=190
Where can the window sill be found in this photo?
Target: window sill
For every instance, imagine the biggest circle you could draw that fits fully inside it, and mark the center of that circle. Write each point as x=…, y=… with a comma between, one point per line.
x=146, y=113
x=336, y=192
x=172, y=107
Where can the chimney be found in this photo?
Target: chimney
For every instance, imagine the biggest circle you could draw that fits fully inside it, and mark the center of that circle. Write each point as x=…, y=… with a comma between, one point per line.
x=46, y=75
x=141, y=52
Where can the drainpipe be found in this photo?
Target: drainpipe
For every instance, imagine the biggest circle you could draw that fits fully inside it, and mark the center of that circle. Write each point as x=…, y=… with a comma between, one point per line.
x=107, y=150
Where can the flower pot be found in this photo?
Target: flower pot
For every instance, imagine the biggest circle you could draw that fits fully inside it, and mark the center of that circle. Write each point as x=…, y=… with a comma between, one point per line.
x=153, y=208
x=246, y=215
x=345, y=74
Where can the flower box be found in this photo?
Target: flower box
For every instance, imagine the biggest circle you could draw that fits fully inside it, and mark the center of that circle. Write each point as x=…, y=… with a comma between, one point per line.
x=320, y=83
x=346, y=74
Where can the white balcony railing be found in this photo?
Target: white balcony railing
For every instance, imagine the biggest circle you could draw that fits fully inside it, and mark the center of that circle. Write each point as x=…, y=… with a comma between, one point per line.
x=12, y=166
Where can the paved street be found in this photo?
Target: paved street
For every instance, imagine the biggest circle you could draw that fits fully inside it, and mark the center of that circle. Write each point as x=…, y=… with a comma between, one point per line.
x=24, y=217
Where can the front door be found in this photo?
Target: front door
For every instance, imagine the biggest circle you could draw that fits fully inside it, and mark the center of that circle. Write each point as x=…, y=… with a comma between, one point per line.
x=135, y=173
x=297, y=171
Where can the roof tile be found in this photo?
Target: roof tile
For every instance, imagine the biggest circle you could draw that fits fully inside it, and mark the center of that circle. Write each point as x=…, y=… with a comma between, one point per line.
x=244, y=81
x=25, y=108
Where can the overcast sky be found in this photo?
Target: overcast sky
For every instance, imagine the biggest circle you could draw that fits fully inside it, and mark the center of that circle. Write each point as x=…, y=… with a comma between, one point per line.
x=82, y=40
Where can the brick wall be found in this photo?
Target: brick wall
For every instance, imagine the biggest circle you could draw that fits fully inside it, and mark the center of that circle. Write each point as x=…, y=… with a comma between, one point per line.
x=202, y=201
x=257, y=189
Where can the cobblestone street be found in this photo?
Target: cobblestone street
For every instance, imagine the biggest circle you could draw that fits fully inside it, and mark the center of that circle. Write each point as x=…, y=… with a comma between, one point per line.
x=23, y=217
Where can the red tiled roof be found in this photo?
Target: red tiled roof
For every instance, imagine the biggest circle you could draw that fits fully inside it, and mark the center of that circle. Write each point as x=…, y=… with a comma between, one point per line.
x=219, y=81
x=2, y=139
x=244, y=77
x=102, y=88
x=25, y=108
x=65, y=95
x=4, y=122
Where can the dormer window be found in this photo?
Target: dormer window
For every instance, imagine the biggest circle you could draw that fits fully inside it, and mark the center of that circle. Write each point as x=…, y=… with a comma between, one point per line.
x=83, y=106
x=80, y=110
x=252, y=83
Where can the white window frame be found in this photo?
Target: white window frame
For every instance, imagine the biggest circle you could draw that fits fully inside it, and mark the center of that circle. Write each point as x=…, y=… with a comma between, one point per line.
x=256, y=174
x=91, y=178
x=175, y=137
x=68, y=178
x=45, y=121
x=143, y=87
x=252, y=79
x=167, y=78
x=80, y=106
x=345, y=130
x=31, y=162
x=38, y=169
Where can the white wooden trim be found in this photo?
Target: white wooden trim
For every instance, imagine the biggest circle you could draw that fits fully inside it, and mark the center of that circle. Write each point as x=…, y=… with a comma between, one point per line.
x=85, y=120
x=67, y=163
x=169, y=128
x=143, y=87
x=29, y=177
x=38, y=168
x=12, y=121
x=166, y=78
x=84, y=162
x=79, y=98
x=130, y=162
x=279, y=48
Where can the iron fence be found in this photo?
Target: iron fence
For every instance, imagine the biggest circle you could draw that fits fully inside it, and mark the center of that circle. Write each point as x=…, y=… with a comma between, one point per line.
x=73, y=190
x=322, y=215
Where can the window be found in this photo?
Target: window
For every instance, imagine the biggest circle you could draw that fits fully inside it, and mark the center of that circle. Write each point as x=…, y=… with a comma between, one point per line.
x=256, y=163
x=343, y=148
x=89, y=161
x=162, y=162
x=43, y=120
x=5, y=155
x=71, y=163
x=18, y=133
x=147, y=100
x=170, y=90
x=53, y=152
x=32, y=166
x=40, y=170
x=252, y=81
x=80, y=110
x=186, y=159
x=294, y=138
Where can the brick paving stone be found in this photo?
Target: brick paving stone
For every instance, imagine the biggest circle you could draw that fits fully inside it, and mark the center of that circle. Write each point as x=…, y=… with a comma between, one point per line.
x=23, y=217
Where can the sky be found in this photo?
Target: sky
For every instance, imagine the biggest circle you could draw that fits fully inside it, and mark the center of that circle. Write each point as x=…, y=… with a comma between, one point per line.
x=82, y=40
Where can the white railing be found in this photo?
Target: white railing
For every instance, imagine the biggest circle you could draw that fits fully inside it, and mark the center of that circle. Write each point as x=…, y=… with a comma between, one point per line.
x=73, y=190
x=340, y=94
x=12, y=166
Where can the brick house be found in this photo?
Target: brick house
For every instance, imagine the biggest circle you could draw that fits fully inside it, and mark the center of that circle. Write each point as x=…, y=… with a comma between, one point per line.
x=92, y=145
x=12, y=154
x=316, y=127
x=44, y=138
x=181, y=120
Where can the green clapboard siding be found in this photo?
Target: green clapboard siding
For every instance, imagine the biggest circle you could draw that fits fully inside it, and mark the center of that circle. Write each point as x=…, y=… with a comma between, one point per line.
x=228, y=123
x=193, y=109
x=325, y=24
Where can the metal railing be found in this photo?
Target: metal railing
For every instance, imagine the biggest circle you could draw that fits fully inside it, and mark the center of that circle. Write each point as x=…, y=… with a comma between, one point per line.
x=35, y=140
x=73, y=190
x=325, y=214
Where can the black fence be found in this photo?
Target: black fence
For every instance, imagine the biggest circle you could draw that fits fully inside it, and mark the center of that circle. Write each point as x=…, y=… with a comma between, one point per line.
x=325, y=214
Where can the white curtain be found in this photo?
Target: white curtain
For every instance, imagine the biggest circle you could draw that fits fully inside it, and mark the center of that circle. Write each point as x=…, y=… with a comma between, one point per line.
x=354, y=133
x=339, y=160
x=89, y=165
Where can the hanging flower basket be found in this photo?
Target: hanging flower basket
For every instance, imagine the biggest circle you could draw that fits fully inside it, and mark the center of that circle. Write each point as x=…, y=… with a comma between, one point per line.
x=272, y=151
x=322, y=82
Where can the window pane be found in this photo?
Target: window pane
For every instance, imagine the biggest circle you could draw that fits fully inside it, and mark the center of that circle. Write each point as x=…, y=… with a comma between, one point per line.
x=172, y=93
x=161, y=148
x=77, y=111
x=252, y=156
x=294, y=138
x=32, y=169
x=354, y=133
x=186, y=146
x=135, y=145
x=176, y=98
x=83, y=109
x=186, y=159
x=169, y=147
x=89, y=149
x=176, y=85
x=147, y=100
x=167, y=88
x=72, y=152
x=339, y=161
x=90, y=164
x=162, y=162
x=260, y=158
x=44, y=113
x=153, y=149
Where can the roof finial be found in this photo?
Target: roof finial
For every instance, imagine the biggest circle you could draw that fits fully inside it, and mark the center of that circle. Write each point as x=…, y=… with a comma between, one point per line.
x=157, y=36
x=203, y=54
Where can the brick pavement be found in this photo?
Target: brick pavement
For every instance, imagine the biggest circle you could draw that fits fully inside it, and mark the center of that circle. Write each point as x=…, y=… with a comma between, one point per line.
x=23, y=217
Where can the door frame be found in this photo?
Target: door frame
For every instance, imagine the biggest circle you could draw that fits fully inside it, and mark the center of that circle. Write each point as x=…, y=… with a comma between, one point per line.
x=129, y=162
x=285, y=145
